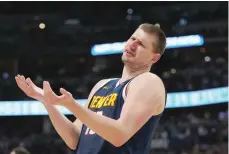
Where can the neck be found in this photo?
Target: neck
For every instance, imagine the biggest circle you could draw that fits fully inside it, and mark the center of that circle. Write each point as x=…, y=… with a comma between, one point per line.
x=129, y=72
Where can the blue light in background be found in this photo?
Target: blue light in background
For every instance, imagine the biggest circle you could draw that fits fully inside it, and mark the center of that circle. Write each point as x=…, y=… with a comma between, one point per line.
x=172, y=42
x=174, y=100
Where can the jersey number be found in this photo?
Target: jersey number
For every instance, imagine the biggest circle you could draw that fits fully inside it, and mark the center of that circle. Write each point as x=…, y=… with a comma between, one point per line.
x=89, y=131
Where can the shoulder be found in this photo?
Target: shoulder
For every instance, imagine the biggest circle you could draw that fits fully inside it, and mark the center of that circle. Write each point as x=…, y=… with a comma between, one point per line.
x=148, y=84
x=148, y=79
x=148, y=89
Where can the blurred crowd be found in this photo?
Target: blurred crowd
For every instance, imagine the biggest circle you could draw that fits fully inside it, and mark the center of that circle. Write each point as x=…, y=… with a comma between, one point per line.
x=197, y=132
x=181, y=131
x=185, y=69
x=60, y=51
x=60, y=54
x=193, y=134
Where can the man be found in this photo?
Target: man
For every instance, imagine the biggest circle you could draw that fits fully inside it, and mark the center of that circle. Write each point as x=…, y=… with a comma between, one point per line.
x=19, y=150
x=121, y=115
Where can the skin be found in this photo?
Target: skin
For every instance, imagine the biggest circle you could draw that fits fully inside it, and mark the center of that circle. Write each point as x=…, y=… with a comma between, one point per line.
x=139, y=52
x=138, y=56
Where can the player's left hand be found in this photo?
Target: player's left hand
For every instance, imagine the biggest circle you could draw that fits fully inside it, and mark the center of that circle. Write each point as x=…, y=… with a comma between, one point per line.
x=51, y=98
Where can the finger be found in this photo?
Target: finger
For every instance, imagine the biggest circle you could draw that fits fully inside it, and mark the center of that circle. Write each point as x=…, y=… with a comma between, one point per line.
x=22, y=80
x=21, y=83
x=49, y=95
x=25, y=88
x=17, y=77
x=48, y=90
x=27, y=82
x=46, y=87
x=65, y=92
x=22, y=77
x=62, y=97
x=17, y=80
x=30, y=82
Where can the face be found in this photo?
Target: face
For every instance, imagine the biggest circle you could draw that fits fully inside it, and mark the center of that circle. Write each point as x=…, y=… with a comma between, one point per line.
x=12, y=152
x=140, y=49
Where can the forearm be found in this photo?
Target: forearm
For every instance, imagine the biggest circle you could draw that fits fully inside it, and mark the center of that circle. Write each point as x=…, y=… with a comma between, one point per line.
x=64, y=127
x=109, y=129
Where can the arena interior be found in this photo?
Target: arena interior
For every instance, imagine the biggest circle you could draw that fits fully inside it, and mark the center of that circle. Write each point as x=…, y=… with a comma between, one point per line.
x=54, y=41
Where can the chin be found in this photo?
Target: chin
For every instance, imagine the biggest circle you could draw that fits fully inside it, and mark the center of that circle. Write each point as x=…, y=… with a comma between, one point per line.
x=127, y=61
x=123, y=58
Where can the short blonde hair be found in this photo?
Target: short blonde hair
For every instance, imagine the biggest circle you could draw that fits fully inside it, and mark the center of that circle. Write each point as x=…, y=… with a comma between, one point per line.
x=155, y=29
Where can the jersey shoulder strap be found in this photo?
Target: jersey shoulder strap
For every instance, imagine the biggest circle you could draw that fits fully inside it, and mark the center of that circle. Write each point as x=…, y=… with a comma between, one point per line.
x=106, y=83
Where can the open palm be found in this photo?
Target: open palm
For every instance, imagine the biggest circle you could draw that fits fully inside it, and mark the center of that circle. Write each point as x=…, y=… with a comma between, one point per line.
x=52, y=98
x=29, y=88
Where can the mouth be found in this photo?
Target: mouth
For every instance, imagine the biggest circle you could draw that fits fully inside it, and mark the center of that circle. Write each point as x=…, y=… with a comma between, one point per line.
x=129, y=53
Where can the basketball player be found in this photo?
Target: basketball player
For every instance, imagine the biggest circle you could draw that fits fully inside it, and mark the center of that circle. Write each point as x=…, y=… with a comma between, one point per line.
x=20, y=150
x=121, y=115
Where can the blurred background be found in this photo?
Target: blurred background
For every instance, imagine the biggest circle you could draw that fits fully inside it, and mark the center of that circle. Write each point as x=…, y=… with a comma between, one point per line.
x=75, y=44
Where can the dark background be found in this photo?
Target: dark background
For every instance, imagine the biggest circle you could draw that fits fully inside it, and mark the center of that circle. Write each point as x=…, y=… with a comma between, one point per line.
x=60, y=53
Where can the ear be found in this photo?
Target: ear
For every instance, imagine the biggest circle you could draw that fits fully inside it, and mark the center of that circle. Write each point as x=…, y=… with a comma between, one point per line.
x=156, y=57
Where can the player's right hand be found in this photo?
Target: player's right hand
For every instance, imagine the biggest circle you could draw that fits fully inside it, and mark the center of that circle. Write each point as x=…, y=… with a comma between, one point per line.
x=29, y=88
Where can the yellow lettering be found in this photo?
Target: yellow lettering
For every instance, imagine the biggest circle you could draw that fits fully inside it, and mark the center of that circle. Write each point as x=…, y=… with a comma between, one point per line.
x=107, y=100
x=100, y=103
x=94, y=101
x=112, y=99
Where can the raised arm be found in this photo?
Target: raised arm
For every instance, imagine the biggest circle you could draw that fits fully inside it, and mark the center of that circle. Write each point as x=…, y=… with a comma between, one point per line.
x=136, y=110
x=68, y=131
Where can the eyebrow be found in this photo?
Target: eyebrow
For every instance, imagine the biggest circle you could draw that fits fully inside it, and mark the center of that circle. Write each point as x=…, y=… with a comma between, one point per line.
x=141, y=42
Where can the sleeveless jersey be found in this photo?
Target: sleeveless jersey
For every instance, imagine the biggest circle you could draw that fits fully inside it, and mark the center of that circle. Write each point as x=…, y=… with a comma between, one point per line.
x=108, y=101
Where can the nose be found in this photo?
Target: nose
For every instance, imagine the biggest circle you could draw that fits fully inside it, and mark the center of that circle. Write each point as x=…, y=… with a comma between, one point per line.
x=134, y=45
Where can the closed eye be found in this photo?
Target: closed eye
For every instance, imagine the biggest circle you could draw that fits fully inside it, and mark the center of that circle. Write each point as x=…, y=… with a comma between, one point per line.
x=133, y=38
x=141, y=43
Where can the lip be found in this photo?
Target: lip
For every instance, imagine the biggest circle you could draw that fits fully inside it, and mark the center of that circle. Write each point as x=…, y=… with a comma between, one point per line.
x=129, y=53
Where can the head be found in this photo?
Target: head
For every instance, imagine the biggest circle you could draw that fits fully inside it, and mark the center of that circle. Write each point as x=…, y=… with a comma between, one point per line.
x=145, y=46
x=20, y=150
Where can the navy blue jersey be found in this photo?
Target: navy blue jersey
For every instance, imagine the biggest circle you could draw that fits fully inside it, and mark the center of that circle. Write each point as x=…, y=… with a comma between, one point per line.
x=108, y=101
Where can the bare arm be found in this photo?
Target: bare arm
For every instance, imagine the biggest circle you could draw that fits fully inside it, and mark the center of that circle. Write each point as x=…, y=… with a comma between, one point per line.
x=68, y=131
x=117, y=132
x=64, y=127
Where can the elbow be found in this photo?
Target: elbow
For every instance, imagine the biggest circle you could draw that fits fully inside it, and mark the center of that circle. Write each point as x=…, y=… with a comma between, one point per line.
x=72, y=145
x=71, y=141
x=118, y=144
x=120, y=141
x=121, y=136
